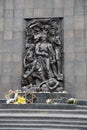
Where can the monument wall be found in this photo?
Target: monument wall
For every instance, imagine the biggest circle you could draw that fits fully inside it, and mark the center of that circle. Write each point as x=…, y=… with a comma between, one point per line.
x=12, y=26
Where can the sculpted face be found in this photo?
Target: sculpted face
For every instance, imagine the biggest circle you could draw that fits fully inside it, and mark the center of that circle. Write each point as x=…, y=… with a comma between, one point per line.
x=44, y=37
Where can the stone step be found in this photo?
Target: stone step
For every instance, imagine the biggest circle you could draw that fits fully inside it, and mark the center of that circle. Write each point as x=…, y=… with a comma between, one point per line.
x=76, y=111
x=51, y=121
x=38, y=106
x=16, y=128
x=46, y=126
x=81, y=107
x=43, y=119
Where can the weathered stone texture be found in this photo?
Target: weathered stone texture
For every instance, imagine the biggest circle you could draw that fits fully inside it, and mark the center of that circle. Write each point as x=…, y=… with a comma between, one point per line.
x=12, y=15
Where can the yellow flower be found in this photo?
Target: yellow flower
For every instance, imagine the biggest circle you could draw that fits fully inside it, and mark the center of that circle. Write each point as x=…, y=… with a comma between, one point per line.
x=20, y=100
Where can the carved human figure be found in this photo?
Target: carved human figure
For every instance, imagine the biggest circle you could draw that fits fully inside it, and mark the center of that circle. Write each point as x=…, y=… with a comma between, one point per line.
x=50, y=85
x=33, y=68
x=45, y=54
x=55, y=41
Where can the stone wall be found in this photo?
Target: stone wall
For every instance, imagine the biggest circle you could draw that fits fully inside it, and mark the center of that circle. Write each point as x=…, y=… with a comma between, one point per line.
x=12, y=15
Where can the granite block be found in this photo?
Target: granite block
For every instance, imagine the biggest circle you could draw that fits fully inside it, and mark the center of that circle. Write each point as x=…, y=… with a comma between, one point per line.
x=80, y=68
x=58, y=3
x=85, y=21
x=85, y=3
x=17, y=68
x=1, y=4
x=58, y=12
x=79, y=45
x=7, y=46
x=15, y=82
x=16, y=57
x=68, y=34
x=9, y=4
x=80, y=57
x=1, y=12
x=8, y=35
x=68, y=45
x=18, y=36
x=28, y=4
x=68, y=3
x=43, y=3
x=68, y=11
x=1, y=24
x=5, y=80
x=19, y=4
x=79, y=22
x=68, y=23
x=16, y=48
x=70, y=57
x=43, y=13
x=79, y=33
x=85, y=10
x=8, y=24
x=0, y=57
x=6, y=57
x=81, y=83
x=19, y=13
x=6, y=68
x=18, y=24
x=1, y=46
x=0, y=66
x=8, y=13
x=28, y=13
x=69, y=65
x=1, y=35
x=79, y=3
x=79, y=11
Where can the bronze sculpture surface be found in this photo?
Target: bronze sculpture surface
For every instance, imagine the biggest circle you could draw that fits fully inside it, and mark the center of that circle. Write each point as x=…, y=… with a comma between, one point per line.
x=43, y=55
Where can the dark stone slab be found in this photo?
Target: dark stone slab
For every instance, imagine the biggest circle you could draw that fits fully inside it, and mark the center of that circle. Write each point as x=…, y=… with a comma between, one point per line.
x=42, y=97
x=82, y=102
x=37, y=106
